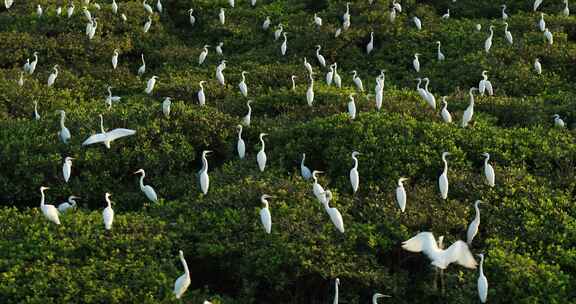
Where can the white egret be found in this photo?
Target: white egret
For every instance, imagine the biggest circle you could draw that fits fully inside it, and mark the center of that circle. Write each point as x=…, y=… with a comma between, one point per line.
x=305, y=171
x=377, y=296
x=293, y=78
x=87, y=13
x=548, y=36
x=266, y=23
x=443, y=179
x=147, y=7
x=310, y=91
x=110, y=98
x=488, y=41
x=401, y=194
x=64, y=133
x=537, y=4
x=482, y=281
x=416, y=63
x=200, y=94
x=8, y=3
x=478, y=26
x=370, y=45
x=231, y=2
x=445, y=114
x=107, y=137
x=417, y=22
x=308, y=66
x=151, y=84
x=240, y=146
x=558, y=122
x=32, y=66
x=542, y=23
x=265, y=216
x=357, y=81
x=248, y=117
x=278, y=31
x=447, y=15
x=166, y=104
x=39, y=11
x=440, y=55
x=392, y=15
x=354, y=176
x=204, y=178
x=219, y=48
x=108, y=213
x=379, y=90
x=147, y=189
x=485, y=85
x=334, y=214
x=222, y=16
x=93, y=27
x=566, y=10
x=336, y=284
x=488, y=170
x=319, y=56
x=49, y=211
x=124, y=18
x=507, y=34
x=21, y=79
x=261, y=156
x=430, y=99
x=504, y=15
x=59, y=11
x=337, y=32
x=284, y=45
x=191, y=17
x=203, y=54
x=115, y=59
x=469, y=112
x=220, y=72
x=317, y=188
x=147, y=25
x=253, y=3
x=317, y=20
x=183, y=281
x=142, y=68
x=67, y=168
x=458, y=252
x=26, y=66
x=346, y=16
x=53, y=76
x=114, y=7
x=538, y=66
x=69, y=205
x=70, y=10
x=337, y=78
x=421, y=91
x=36, y=115
x=351, y=107
x=473, y=227
x=159, y=6
x=89, y=26
x=330, y=75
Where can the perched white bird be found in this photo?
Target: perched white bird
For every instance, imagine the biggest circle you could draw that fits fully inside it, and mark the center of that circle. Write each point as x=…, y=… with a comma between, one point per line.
x=537, y=4
x=542, y=23
x=401, y=194
x=354, y=176
x=473, y=227
x=70, y=10
x=417, y=22
x=566, y=10
x=293, y=78
x=507, y=34
x=64, y=133
x=478, y=26
x=334, y=214
x=107, y=137
x=159, y=6
x=445, y=114
x=548, y=36
x=261, y=156
x=319, y=56
x=537, y=66
x=284, y=45
x=485, y=85
x=469, y=112
x=240, y=146
x=114, y=7
x=21, y=79
x=317, y=188
x=231, y=2
x=379, y=90
x=504, y=15
x=110, y=98
x=166, y=104
x=370, y=45
x=87, y=13
x=482, y=281
x=278, y=31
x=201, y=95
x=53, y=76
x=191, y=17
x=108, y=213
x=330, y=75
x=115, y=59
x=67, y=168
x=305, y=171
x=558, y=122
x=32, y=66
x=183, y=281
x=337, y=78
x=203, y=174
x=421, y=91
x=248, y=117
x=265, y=216
x=392, y=15
x=39, y=11
x=337, y=32
x=443, y=179
x=253, y=3
x=49, y=211
x=70, y=204
x=336, y=284
x=416, y=63
x=440, y=55
x=308, y=66
x=317, y=20
x=266, y=23
x=222, y=16
x=488, y=170
x=488, y=41
x=351, y=107
x=219, y=49
x=8, y=3
x=147, y=25
x=310, y=91
x=142, y=68
x=147, y=189
x=124, y=18
x=36, y=115
x=151, y=84
x=357, y=81
x=447, y=15
x=93, y=27
x=377, y=296
x=458, y=252
x=220, y=72
x=203, y=54
x=147, y=7
x=430, y=99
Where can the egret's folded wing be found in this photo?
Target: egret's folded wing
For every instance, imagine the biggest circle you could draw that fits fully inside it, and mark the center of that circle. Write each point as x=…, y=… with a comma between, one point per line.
x=460, y=253
x=423, y=241
x=118, y=133
x=96, y=138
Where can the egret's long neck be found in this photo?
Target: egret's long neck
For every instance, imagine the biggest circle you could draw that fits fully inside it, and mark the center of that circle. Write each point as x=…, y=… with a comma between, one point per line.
x=249, y=109
x=142, y=180
x=109, y=203
x=240, y=133
x=471, y=98
x=445, y=164
x=62, y=119
x=477, y=211
x=186, y=271
x=263, y=143
x=418, y=84
x=482, y=265
x=143, y=62
x=355, y=159
x=102, y=125
x=336, y=294
x=204, y=164
x=42, y=198
x=486, y=160
x=303, y=159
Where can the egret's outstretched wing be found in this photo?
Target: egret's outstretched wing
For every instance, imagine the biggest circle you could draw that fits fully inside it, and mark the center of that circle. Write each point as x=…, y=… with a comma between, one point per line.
x=94, y=139
x=423, y=241
x=460, y=253
x=119, y=133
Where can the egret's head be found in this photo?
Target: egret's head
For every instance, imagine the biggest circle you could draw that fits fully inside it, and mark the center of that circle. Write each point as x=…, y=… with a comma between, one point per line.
x=68, y=159
x=486, y=154
x=556, y=116
x=316, y=172
x=73, y=197
x=445, y=154
x=263, y=134
x=480, y=255
x=337, y=279
x=266, y=196
x=43, y=188
x=155, y=77
x=206, y=152
x=355, y=153
x=416, y=55
x=444, y=100
x=249, y=102
x=191, y=10
x=107, y=195
x=140, y=171
x=206, y=46
x=402, y=179
x=239, y=127
x=379, y=295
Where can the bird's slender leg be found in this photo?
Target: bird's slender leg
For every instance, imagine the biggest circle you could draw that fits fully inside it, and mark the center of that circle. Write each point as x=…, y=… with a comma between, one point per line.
x=442, y=283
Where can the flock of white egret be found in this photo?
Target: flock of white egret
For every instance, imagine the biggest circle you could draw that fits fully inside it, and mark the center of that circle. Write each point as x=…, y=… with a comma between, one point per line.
x=459, y=252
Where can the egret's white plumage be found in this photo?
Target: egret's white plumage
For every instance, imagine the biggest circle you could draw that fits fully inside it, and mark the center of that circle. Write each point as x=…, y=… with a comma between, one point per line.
x=108, y=213
x=488, y=41
x=191, y=17
x=32, y=66
x=507, y=34
x=320, y=57
x=278, y=31
x=242, y=85
x=354, y=176
x=537, y=66
x=183, y=281
x=370, y=45
x=485, y=85
x=240, y=145
x=203, y=54
x=147, y=7
x=147, y=25
x=317, y=189
x=266, y=23
x=261, y=156
x=147, y=189
x=114, y=6
x=330, y=75
x=248, y=117
x=401, y=194
x=115, y=59
x=67, y=168
x=445, y=114
x=70, y=10
x=416, y=63
x=336, y=283
x=69, y=205
x=469, y=112
x=49, y=211
x=488, y=170
x=151, y=84
x=293, y=78
x=542, y=23
x=201, y=95
x=166, y=105
x=548, y=36
x=310, y=91
x=443, y=179
x=265, y=216
x=53, y=75
x=474, y=225
x=558, y=122
x=377, y=296
x=439, y=53
x=458, y=252
x=351, y=107
x=504, y=15
x=204, y=178
x=284, y=46
x=219, y=49
x=430, y=99
x=64, y=133
x=220, y=72
x=36, y=114
x=357, y=81
x=107, y=137
x=482, y=281
x=335, y=215
x=337, y=78
x=110, y=98
x=417, y=22
x=305, y=171
x=222, y=16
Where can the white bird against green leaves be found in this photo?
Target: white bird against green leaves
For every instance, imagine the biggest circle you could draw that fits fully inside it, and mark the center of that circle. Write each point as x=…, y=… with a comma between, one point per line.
x=114, y=6
x=39, y=11
x=504, y=15
x=445, y=114
x=69, y=205
x=482, y=281
x=488, y=41
x=220, y=72
x=336, y=284
x=335, y=215
x=70, y=10
x=458, y=252
x=317, y=20
x=242, y=85
x=566, y=10
x=558, y=122
x=537, y=66
x=416, y=63
x=357, y=81
x=266, y=23
x=219, y=48
x=488, y=170
x=542, y=23
x=222, y=16
x=147, y=7
x=49, y=211
x=443, y=179
x=507, y=34
x=310, y=91
x=351, y=107
x=304, y=171
x=248, y=117
x=240, y=145
x=36, y=114
x=446, y=15
x=370, y=45
x=21, y=79
x=183, y=281
x=261, y=156
x=439, y=53
x=265, y=216
x=203, y=54
x=107, y=137
x=377, y=296
x=401, y=194
x=147, y=189
x=485, y=85
x=278, y=31
x=159, y=6
x=108, y=213
x=330, y=75
x=430, y=99
x=8, y=3
x=284, y=46
x=354, y=176
x=469, y=112
x=320, y=57
x=67, y=168
x=52, y=77
x=191, y=17
x=115, y=58
x=147, y=25
x=317, y=189
x=166, y=105
x=293, y=78
x=474, y=225
x=151, y=84
x=203, y=174
x=32, y=66
x=417, y=22
x=64, y=133
x=110, y=98
x=337, y=78
x=548, y=36
x=201, y=95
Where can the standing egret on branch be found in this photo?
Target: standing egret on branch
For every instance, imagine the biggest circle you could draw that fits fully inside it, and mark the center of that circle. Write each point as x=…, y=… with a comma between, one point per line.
x=548, y=36
x=147, y=189
x=336, y=284
x=488, y=41
x=440, y=55
x=392, y=15
x=310, y=91
x=330, y=75
x=220, y=72
x=242, y=85
x=482, y=281
x=36, y=115
x=265, y=216
x=204, y=178
x=108, y=213
x=70, y=204
x=107, y=137
x=351, y=107
x=231, y=2
x=21, y=79
x=354, y=176
x=110, y=99
x=266, y=23
x=183, y=281
x=507, y=34
x=261, y=156
x=558, y=122
x=335, y=215
x=293, y=78
x=566, y=10
x=443, y=179
x=370, y=45
x=87, y=13
x=485, y=85
x=70, y=10
x=377, y=296
x=115, y=58
x=142, y=68
x=445, y=114
x=191, y=17
x=159, y=6
x=488, y=170
x=39, y=11
x=417, y=22
x=337, y=78
x=166, y=104
x=304, y=171
x=538, y=66
x=8, y=3
x=542, y=23
x=248, y=117
x=284, y=46
x=150, y=84
x=430, y=99
x=357, y=81
x=222, y=16
x=278, y=31
x=458, y=252
x=67, y=168
x=114, y=6
x=379, y=90
x=504, y=15
x=147, y=25
x=469, y=112
x=401, y=194
x=32, y=66
x=416, y=63
x=422, y=92
x=319, y=56
x=49, y=211
x=64, y=133
x=308, y=66
x=93, y=27
x=53, y=76
x=203, y=54
x=537, y=4
x=201, y=95
x=240, y=145
x=219, y=48
x=317, y=20
x=317, y=188
x=147, y=7
x=474, y=225
x=447, y=15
